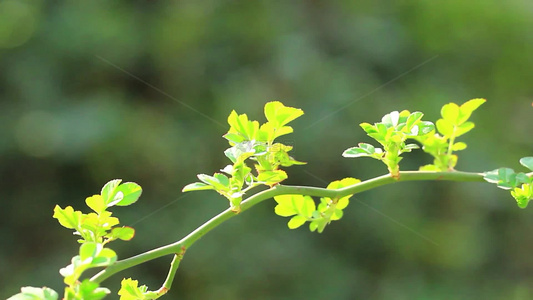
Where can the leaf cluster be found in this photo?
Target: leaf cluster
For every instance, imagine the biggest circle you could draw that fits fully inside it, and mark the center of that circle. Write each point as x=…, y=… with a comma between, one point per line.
x=251, y=142
x=96, y=229
x=303, y=208
x=437, y=140
x=454, y=123
x=520, y=184
x=130, y=290
x=392, y=132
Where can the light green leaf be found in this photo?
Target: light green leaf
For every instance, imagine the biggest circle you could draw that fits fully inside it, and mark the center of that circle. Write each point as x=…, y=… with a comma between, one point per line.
x=105, y=258
x=130, y=193
x=279, y=114
x=272, y=177
x=527, y=162
x=318, y=225
x=410, y=147
x=215, y=181
x=288, y=204
x=412, y=120
x=523, y=195
x=90, y=250
x=444, y=127
x=109, y=190
x=425, y=127
x=96, y=203
x=89, y=290
x=129, y=290
x=67, y=217
x=391, y=120
x=523, y=178
x=459, y=146
x=466, y=109
x=361, y=151
x=430, y=168
x=197, y=186
x=337, y=184
x=124, y=233
x=33, y=293
x=464, y=128
x=450, y=113
x=296, y=221
x=337, y=214
x=234, y=138
x=343, y=203
x=308, y=207
x=368, y=128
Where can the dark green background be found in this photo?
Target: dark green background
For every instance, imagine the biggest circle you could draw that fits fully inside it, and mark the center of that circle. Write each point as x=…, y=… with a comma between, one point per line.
x=96, y=90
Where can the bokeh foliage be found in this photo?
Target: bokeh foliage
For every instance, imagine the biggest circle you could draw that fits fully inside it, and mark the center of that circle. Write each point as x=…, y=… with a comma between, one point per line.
x=75, y=113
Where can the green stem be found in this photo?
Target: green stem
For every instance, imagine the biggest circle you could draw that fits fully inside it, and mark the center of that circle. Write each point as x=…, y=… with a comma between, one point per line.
x=171, y=273
x=450, y=150
x=191, y=238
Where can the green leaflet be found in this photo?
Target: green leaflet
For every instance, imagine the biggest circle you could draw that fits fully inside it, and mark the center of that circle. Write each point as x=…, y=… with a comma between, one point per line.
x=303, y=209
x=129, y=290
x=33, y=293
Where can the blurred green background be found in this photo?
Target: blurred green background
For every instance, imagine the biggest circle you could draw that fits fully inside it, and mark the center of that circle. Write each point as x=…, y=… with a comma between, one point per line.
x=140, y=90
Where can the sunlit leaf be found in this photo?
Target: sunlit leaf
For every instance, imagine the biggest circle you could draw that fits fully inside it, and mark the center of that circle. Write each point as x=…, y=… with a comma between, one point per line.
x=131, y=192
x=459, y=146
x=67, y=217
x=197, y=186
x=33, y=293
x=271, y=177
x=89, y=290
x=109, y=190
x=96, y=203
x=129, y=290
x=445, y=127
x=391, y=119
x=466, y=109
x=527, y=162
x=296, y=221
x=450, y=113
x=279, y=114
x=464, y=128
x=124, y=233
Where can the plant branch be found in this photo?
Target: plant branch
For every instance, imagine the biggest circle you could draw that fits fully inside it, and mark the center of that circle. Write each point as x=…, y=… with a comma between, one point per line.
x=179, y=246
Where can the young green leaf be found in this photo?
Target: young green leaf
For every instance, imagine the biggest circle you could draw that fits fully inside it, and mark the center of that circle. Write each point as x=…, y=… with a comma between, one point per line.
x=289, y=205
x=450, y=113
x=129, y=290
x=272, y=177
x=463, y=128
x=527, y=162
x=296, y=221
x=33, y=293
x=364, y=149
x=124, y=233
x=197, y=186
x=130, y=193
x=219, y=181
x=89, y=290
x=279, y=114
x=445, y=127
x=96, y=203
x=466, y=109
x=109, y=190
x=67, y=217
x=523, y=194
